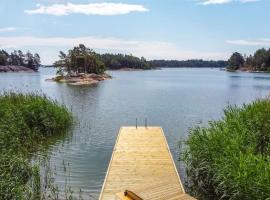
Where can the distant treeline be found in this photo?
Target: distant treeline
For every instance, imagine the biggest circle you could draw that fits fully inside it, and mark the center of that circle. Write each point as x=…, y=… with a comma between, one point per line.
x=187, y=63
x=259, y=61
x=82, y=59
x=118, y=61
x=18, y=58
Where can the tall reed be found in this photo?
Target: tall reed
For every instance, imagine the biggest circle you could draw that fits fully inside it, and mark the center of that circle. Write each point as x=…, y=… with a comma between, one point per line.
x=230, y=158
x=26, y=121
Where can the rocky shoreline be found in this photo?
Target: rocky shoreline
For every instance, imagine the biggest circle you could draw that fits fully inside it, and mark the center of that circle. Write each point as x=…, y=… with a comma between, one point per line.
x=246, y=70
x=81, y=79
x=12, y=68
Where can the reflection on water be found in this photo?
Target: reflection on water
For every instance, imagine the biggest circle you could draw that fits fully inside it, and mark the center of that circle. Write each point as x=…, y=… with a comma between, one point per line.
x=175, y=99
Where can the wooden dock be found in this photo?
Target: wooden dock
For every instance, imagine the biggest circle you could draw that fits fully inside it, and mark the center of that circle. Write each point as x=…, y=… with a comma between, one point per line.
x=142, y=167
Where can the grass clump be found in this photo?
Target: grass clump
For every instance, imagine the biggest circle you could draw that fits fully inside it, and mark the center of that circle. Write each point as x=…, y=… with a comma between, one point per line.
x=230, y=159
x=26, y=121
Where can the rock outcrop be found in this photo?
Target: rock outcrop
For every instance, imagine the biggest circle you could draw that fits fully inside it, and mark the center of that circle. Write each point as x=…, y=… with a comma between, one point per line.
x=12, y=68
x=81, y=79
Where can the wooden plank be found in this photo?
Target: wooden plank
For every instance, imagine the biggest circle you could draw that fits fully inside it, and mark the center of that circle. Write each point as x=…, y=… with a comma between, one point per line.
x=141, y=162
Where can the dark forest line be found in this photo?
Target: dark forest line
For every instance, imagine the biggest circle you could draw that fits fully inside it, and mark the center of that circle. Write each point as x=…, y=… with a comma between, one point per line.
x=84, y=59
x=259, y=61
x=196, y=63
x=20, y=59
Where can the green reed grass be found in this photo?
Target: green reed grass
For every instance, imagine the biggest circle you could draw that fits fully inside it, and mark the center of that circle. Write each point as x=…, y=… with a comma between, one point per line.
x=230, y=159
x=26, y=121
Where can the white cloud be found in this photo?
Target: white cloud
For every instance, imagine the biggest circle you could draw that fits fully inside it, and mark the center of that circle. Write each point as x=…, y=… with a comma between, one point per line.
x=209, y=2
x=150, y=50
x=88, y=9
x=259, y=42
x=7, y=29
x=247, y=1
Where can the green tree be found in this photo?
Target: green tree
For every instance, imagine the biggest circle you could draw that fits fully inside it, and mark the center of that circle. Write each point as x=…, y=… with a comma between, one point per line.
x=80, y=59
x=261, y=59
x=15, y=60
x=249, y=61
x=115, y=64
x=236, y=61
x=21, y=58
x=268, y=58
x=3, y=58
x=36, y=61
x=29, y=60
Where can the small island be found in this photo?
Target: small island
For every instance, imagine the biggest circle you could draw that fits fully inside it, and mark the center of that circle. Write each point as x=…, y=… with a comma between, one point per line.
x=17, y=61
x=83, y=66
x=259, y=62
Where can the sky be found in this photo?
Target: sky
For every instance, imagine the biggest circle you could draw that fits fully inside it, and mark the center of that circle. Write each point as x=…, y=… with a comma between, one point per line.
x=154, y=29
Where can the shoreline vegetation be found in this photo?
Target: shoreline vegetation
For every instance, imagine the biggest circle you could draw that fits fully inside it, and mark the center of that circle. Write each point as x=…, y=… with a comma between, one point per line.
x=27, y=121
x=18, y=61
x=83, y=66
x=193, y=63
x=258, y=62
x=229, y=159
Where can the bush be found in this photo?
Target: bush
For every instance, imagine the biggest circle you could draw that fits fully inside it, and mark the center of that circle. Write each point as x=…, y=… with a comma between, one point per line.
x=230, y=159
x=26, y=120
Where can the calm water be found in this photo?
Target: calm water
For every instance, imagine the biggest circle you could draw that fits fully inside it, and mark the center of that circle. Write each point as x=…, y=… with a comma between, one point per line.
x=175, y=99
